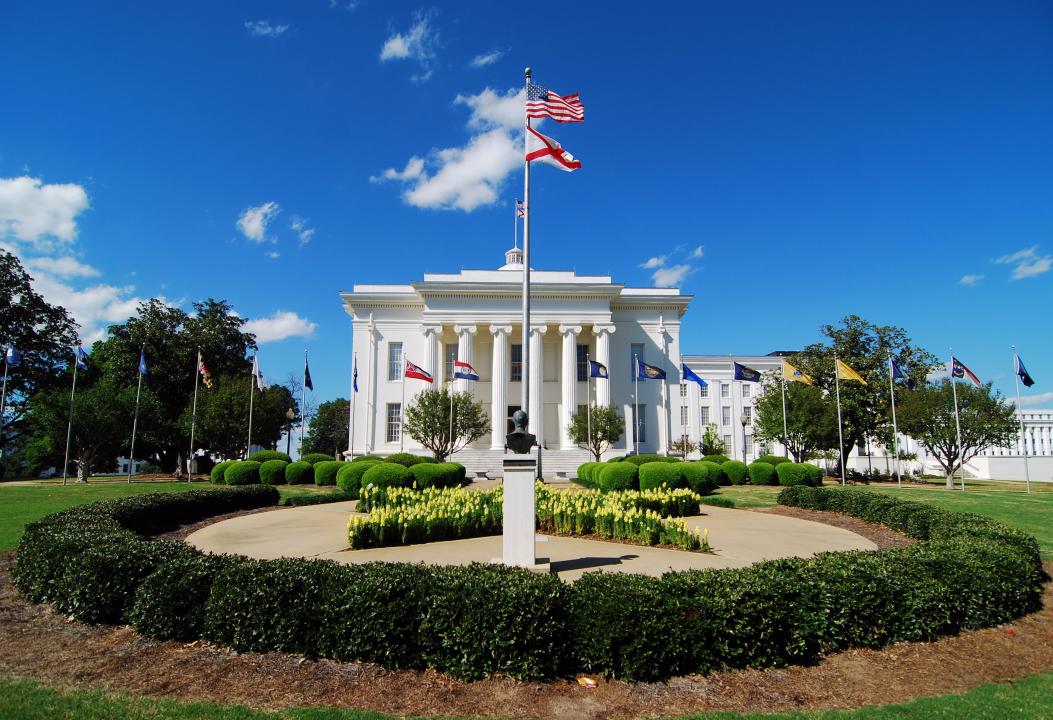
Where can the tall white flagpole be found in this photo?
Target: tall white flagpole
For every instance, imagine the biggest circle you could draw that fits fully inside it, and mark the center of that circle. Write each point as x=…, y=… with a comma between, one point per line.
x=402, y=409
x=636, y=401
x=303, y=402
x=3, y=400
x=354, y=397
x=785, y=432
x=135, y=422
x=449, y=389
x=525, y=352
x=252, y=388
x=588, y=407
x=1020, y=417
x=69, y=426
x=193, y=421
x=957, y=426
x=840, y=432
x=895, y=430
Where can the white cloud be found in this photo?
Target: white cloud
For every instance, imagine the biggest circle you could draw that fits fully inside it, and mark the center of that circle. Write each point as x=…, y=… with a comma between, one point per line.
x=419, y=43
x=38, y=213
x=413, y=170
x=491, y=108
x=93, y=308
x=279, y=326
x=698, y=252
x=1027, y=263
x=655, y=262
x=263, y=28
x=672, y=275
x=65, y=267
x=299, y=226
x=253, y=221
x=273, y=254
x=487, y=58
x=1038, y=399
x=971, y=280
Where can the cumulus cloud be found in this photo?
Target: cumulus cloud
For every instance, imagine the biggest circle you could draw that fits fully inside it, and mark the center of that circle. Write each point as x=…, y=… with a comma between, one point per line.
x=492, y=108
x=1026, y=263
x=655, y=262
x=413, y=170
x=698, y=252
x=485, y=59
x=298, y=225
x=1037, y=399
x=263, y=28
x=672, y=275
x=971, y=280
x=64, y=267
x=671, y=269
x=420, y=43
x=93, y=308
x=37, y=213
x=253, y=220
x=279, y=326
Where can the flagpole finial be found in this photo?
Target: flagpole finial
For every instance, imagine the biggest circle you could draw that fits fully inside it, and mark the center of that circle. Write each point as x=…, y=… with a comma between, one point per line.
x=529, y=73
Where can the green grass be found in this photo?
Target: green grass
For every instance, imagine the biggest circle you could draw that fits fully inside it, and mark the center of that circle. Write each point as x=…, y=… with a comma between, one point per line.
x=1028, y=699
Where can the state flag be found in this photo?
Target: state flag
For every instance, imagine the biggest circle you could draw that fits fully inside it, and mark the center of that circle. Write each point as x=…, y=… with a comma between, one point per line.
x=520, y=210
x=649, y=372
x=80, y=358
x=689, y=374
x=748, y=374
x=844, y=372
x=898, y=374
x=464, y=371
x=354, y=376
x=202, y=370
x=544, y=149
x=1021, y=371
x=257, y=374
x=307, y=382
x=958, y=370
x=793, y=374
x=597, y=370
x=412, y=371
x=142, y=364
x=11, y=356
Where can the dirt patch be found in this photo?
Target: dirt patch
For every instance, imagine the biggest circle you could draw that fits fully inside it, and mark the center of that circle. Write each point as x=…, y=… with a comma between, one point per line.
x=882, y=536
x=38, y=643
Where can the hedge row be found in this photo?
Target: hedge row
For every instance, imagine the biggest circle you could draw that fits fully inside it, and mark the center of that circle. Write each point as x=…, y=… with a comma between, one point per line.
x=702, y=476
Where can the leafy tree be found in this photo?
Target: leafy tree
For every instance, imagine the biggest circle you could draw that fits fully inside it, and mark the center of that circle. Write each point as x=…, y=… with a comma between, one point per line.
x=927, y=415
x=223, y=416
x=428, y=421
x=683, y=445
x=811, y=419
x=865, y=347
x=44, y=335
x=607, y=426
x=712, y=443
x=327, y=430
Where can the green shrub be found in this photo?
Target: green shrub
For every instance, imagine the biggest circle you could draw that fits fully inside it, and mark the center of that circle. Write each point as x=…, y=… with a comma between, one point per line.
x=585, y=470
x=315, y=458
x=385, y=475
x=773, y=459
x=654, y=475
x=349, y=475
x=170, y=602
x=262, y=456
x=718, y=501
x=736, y=471
x=762, y=473
x=325, y=472
x=244, y=472
x=698, y=477
x=616, y=458
x=299, y=473
x=216, y=476
x=815, y=475
x=407, y=460
x=458, y=474
x=272, y=472
x=718, y=459
x=639, y=460
x=317, y=498
x=619, y=476
x=799, y=474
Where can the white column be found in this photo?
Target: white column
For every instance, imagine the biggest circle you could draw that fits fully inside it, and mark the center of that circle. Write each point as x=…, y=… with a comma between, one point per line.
x=432, y=361
x=569, y=381
x=499, y=385
x=371, y=385
x=537, y=378
x=465, y=335
x=603, y=356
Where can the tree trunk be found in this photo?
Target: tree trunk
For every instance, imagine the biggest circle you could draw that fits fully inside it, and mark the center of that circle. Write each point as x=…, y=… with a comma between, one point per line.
x=84, y=466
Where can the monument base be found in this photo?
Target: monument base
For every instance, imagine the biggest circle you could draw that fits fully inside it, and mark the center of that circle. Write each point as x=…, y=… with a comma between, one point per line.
x=518, y=532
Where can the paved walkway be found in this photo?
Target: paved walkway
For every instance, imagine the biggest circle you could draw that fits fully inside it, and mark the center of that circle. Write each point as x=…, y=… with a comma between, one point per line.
x=739, y=538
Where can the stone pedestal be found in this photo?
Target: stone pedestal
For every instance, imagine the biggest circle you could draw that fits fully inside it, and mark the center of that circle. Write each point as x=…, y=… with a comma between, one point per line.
x=518, y=529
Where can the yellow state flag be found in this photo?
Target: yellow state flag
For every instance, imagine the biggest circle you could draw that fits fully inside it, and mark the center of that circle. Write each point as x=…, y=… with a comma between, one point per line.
x=789, y=372
x=846, y=373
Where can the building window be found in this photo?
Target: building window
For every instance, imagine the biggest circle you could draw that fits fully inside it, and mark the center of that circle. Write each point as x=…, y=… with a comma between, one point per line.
x=727, y=443
x=683, y=390
x=394, y=433
x=705, y=416
x=683, y=415
x=745, y=389
x=517, y=364
x=635, y=353
x=749, y=442
x=748, y=412
x=394, y=361
x=583, y=363
x=725, y=390
x=725, y=416
x=703, y=391
x=450, y=350
x=641, y=435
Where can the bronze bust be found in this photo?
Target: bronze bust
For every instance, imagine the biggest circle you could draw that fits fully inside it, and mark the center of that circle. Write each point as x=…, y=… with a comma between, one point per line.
x=519, y=440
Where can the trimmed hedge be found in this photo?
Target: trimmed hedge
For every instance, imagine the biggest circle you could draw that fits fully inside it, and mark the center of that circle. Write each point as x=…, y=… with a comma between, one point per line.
x=460, y=473
x=272, y=472
x=315, y=458
x=317, y=499
x=437, y=475
x=639, y=460
x=325, y=472
x=799, y=474
x=699, y=477
x=299, y=473
x=216, y=476
x=774, y=459
x=262, y=456
x=762, y=473
x=385, y=474
x=718, y=459
x=243, y=472
x=407, y=459
x=654, y=475
x=585, y=473
x=169, y=604
x=619, y=476
x=735, y=471
x=349, y=475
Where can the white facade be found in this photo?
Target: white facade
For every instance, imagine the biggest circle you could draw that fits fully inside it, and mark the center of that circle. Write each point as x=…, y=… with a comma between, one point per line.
x=475, y=316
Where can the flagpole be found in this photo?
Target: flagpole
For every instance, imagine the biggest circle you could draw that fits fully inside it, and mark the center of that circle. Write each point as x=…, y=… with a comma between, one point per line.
x=957, y=426
x=588, y=407
x=69, y=427
x=303, y=402
x=1019, y=415
x=135, y=422
x=840, y=431
x=785, y=432
x=3, y=400
x=193, y=421
x=354, y=397
x=636, y=401
x=449, y=389
x=402, y=409
x=525, y=352
x=252, y=388
x=895, y=431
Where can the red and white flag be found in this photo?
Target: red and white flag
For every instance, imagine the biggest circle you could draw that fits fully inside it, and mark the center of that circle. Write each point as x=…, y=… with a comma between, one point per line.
x=545, y=149
x=520, y=210
x=542, y=103
x=958, y=370
x=412, y=371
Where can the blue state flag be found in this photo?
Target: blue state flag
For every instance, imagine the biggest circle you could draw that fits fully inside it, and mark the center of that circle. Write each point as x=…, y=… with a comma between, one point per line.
x=142, y=364
x=11, y=356
x=597, y=370
x=80, y=358
x=746, y=373
x=689, y=374
x=649, y=372
x=1021, y=371
x=307, y=382
x=898, y=374
x=354, y=377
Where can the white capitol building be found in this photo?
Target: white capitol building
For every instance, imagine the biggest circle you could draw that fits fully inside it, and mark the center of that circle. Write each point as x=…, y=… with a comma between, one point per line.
x=475, y=316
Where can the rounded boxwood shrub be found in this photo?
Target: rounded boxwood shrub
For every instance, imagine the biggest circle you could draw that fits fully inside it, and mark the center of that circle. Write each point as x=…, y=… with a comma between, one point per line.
x=718, y=459
x=245, y=472
x=585, y=473
x=425, y=475
x=762, y=473
x=654, y=475
x=699, y=477
x=218, y=469
x=715, y=475
x=736, y=472
x=349, y=475
x=639, y=460
x=619, y=476
x=385, y=474
x=407, y=459
x=272, y=472
x=773, y=459
x=325, y=472
x=299, y=473
x=315, y=458
x=791, y=474
x=458, y=474
x=815, y=475
x=262, y=456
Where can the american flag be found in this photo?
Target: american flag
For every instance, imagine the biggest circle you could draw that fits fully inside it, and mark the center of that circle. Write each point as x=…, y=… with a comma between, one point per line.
x=520, y=211
x=542, y=103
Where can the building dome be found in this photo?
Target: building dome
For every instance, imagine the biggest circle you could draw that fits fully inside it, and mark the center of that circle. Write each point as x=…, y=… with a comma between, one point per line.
x=513, y=259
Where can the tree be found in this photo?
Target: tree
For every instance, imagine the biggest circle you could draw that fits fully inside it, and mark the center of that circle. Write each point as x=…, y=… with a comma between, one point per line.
x=223, y=416
x=811, y=419
x=683, y=446
x=927, y=415
x=865, y=409
x=428, y=422
x=712, y=444
x=607, y=426
x=327, y=431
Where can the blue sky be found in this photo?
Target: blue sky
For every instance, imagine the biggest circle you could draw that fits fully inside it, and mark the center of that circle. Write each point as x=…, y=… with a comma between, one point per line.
x=893, y=161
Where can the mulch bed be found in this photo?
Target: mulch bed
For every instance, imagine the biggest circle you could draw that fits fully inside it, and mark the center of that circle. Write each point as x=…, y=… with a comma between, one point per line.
x=38, y=643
